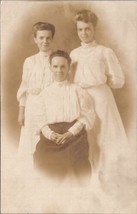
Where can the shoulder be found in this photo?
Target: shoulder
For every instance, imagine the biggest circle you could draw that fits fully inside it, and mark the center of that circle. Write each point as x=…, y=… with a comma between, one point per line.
x=31, y=58
x=74, y=52
x=105, y=52
x=102, y=48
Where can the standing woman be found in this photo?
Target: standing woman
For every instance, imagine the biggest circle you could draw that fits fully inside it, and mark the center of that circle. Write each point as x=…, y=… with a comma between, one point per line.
x=36, y=76
x=96, y=69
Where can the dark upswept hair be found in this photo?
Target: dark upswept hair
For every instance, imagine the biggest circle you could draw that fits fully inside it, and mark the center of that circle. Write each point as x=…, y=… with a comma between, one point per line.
x=43, y=26
x=60, y=53
x=86, y=16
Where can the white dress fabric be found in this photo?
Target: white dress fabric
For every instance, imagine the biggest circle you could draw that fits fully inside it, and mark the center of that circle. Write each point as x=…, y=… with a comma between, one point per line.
x=66, y=102
x=96, y=69
x=36, y=76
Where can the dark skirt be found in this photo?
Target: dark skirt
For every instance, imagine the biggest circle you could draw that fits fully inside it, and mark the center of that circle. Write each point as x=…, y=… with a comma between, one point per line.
x=70, y=158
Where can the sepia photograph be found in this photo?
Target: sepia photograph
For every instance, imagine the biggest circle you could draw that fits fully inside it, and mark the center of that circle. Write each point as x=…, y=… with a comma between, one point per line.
x=68, y=107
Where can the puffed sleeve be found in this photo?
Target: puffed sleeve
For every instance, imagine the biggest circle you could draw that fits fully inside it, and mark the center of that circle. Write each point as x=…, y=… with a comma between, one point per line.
x=72, y=55
x=21, y=94
x=87, y=113
x=114, y=72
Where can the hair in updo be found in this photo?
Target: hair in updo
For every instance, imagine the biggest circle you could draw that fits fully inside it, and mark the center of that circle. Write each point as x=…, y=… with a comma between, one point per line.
x=60, y=53
x=43, y=26
x=86, y=16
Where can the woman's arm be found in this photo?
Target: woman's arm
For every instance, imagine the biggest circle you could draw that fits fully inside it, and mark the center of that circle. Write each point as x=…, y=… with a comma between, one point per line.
x=21, y=94
x=114, y=72
x=85, y=120
x=21, y=115
x=51, y=135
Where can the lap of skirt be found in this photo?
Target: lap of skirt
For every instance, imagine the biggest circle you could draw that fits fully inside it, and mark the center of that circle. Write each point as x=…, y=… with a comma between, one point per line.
x=58, y=159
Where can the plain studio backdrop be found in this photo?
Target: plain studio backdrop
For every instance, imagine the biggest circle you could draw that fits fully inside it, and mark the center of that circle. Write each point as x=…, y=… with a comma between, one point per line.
x=116, y=29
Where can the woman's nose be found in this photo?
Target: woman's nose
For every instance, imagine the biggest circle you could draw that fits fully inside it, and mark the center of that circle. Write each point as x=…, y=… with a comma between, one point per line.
x=84, y=31
x=59, y=69
x=45, y=40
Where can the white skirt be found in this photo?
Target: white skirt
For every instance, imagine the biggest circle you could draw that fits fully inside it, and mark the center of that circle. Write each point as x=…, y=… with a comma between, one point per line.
x=108, y=141
x=30, y=133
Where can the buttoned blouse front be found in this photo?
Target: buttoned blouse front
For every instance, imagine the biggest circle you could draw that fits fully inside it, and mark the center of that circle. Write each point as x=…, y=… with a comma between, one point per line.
x=65, y=102
x=94, y=64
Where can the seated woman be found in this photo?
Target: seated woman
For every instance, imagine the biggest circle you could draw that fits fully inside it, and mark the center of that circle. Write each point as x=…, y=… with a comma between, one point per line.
x=63, y=148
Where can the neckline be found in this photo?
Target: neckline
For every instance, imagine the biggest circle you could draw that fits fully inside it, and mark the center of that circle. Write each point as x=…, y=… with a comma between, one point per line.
x=60, y=84
x=45, y=54
x=89, y=45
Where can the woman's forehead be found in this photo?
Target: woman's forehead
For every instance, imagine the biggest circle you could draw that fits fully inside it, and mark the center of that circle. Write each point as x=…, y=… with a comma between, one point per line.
x=59, y=60
x=81, y=24
x=44, y=33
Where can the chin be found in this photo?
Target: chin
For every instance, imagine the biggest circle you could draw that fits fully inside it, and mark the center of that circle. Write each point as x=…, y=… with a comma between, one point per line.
x=85, y=41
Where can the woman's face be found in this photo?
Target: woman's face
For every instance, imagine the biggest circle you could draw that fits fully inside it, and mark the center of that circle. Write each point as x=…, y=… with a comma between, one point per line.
x=60, y=68
x=43, y=40
x=85, y=31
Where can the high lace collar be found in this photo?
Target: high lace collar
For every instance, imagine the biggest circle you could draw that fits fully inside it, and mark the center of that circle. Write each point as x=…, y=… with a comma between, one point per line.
x=45, y=54
x=89, y=45
x=60, y=84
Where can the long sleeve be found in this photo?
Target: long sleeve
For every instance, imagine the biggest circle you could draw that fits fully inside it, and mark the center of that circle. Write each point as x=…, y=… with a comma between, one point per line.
x=113, y=69
x=21, y=94
x=76, y=128
x=47, y=132
x=41, y=117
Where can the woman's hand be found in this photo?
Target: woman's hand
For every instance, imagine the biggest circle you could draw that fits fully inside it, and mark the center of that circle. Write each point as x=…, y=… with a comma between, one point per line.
x=55, y=137
x=21, y=115
x=64, y=138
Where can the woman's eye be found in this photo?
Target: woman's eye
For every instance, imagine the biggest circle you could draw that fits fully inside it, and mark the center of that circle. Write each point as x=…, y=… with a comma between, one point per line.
x=89, y=29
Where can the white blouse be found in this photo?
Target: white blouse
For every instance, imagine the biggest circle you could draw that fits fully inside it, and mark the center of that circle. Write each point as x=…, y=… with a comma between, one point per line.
x=66, y=102
x=36, y=76
x=94, y=64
